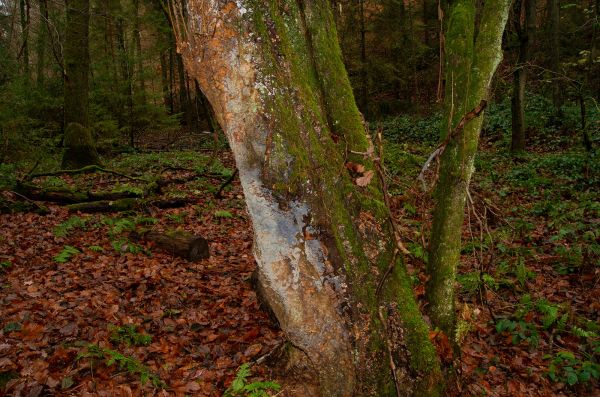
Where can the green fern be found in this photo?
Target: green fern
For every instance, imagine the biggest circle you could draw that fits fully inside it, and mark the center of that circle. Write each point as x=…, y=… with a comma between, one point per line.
x=240, y=387
x=66, y=254
x=74, y=222
x=129, y=364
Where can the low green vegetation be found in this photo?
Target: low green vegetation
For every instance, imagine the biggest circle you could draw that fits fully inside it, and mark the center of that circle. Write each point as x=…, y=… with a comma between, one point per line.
x=66, y=254
x=128, y=335
x=108, y=357
x=243, y=388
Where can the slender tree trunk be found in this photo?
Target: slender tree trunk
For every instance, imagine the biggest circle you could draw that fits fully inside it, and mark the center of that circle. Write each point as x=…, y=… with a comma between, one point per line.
x=274, y=74
x=25, y=22
x=137, y=37
x=126, y=73
x=554, y=16
x=41, y=46
x=164, y=73
x=184, y=105
x=77, y=62
x=470, y=66
x=172, y=79
x=364, y=89
x=525, y=33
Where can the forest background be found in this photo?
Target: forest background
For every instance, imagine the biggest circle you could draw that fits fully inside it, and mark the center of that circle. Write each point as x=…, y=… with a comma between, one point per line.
x=536, y=175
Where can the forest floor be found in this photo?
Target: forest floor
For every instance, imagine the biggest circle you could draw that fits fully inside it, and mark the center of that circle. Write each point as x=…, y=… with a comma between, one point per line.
x=86, y=311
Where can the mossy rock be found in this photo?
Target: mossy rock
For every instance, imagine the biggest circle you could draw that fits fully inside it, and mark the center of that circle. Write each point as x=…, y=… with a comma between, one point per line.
x=79, y=148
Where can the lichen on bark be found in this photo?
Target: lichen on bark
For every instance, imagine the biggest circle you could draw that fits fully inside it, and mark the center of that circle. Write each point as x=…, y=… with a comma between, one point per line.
x=274, y=74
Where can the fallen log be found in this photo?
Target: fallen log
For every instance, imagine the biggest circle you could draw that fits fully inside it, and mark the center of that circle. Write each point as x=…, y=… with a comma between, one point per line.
x=126, y=204
x=67, y=196
x=176, y=242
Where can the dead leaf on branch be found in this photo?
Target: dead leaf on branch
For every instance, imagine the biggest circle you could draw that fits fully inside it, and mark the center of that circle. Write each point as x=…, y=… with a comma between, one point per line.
x=365, y=179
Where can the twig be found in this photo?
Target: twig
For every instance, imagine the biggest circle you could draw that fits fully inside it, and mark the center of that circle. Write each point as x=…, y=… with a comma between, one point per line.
x=225, y=184
x=389, y=349
x=437, y=153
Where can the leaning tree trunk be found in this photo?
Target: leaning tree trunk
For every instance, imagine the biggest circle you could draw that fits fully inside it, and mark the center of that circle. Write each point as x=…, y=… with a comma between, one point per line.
x=323, y=238
x=470, y=64
x=525, y=33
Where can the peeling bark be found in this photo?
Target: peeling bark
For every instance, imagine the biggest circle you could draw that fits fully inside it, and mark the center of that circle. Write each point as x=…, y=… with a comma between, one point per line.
x=274, y=75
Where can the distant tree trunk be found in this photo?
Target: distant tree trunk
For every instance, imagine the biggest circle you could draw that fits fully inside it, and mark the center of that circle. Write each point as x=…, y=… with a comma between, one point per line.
x=554, y=16
x=525, y=33
x=324, y=244
x=24, y=52
x=137, y=37
x=364, y=82
x=126, y=74
x=41, y=46
x=77, y=62
x=471, y=62
x=184, y=106
x=164, y=73
x=79, y=145
x=172, y=79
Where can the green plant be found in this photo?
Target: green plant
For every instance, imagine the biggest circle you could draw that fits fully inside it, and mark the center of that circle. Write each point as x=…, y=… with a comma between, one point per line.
x=520, y=330
x=129, y=364
x=95, y=248
x=223, y=214
x=66, y=254
x=241, y=387
x=177, y=218
x=12, y=327
x=566, y=367
x=127, y=334
x=74, y=222
x=123, y=246
x=5, y=265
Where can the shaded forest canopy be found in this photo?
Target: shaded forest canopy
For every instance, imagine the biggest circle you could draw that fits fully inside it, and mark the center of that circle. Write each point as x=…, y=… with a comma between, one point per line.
x=469, y=188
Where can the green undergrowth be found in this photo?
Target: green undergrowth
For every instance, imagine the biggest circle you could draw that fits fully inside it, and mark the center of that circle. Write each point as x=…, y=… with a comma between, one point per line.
x=104, y=356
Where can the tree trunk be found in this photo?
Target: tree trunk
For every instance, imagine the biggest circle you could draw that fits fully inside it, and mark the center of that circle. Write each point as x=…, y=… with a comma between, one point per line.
x=41, y=46
x=77, y=62
x=164, y=73
x=137, y=37
x=525, y=34
x=274, y=75
x=126, y=72
x=24, y=52
x=470, y=65
x=554, y=16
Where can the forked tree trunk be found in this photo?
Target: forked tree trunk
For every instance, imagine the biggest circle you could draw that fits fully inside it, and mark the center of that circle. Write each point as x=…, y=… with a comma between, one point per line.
x=274, y=75
x=470, y=64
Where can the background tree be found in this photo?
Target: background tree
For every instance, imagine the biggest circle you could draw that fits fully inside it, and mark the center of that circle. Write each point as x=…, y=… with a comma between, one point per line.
x=471, y=61
x=525, y=27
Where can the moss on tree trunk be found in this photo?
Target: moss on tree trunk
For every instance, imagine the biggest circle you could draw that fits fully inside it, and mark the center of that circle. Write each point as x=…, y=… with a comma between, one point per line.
x=77, y=62
x=274, y=75
x=79, y=147
x=471, y=61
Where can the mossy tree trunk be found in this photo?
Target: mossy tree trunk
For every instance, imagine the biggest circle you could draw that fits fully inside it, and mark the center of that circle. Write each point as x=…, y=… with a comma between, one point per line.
x=471, y=60
x=77, y=62
x=78, y=141
x=525, y=32
x=274, y=75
